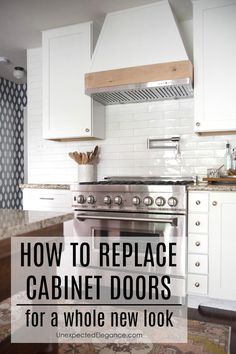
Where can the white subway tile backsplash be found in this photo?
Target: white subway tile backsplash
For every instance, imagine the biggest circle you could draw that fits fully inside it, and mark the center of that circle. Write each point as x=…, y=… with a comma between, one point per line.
x=200, y=171
x=158, y=123
x=188, y=162
x=209, y=162
x=140, y=147
x=113, y=126
x=144, y=162
x=168, y=105
x=109, y=155
x=124, y=151
x=148, y=116
x=132, y=140
x=116, y=163
x=148, y=132
x=187, y=171
x=133, y=124
x=117, y=118
x=121, y=148
x=203, y=153
x=219, y=153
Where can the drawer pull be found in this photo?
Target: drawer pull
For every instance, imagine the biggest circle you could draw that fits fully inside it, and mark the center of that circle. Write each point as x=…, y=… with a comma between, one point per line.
x=214, y=203
x=197, y=264
x=45, y=198
x=197, y=243
x=197, y=223
x=197, y=285
x=198, y=124
x=198, y=202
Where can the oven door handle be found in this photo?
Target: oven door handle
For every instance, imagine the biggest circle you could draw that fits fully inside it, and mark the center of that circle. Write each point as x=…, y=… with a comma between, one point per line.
x=171, y=221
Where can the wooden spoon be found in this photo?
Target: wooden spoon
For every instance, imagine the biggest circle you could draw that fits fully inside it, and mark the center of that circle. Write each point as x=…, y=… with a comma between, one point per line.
x=90, y=157
x=94, y=154
x=95, y=151
x=78, y=157
x=71, y=154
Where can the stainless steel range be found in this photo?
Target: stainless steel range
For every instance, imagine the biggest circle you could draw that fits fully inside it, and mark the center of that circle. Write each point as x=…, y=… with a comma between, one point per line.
x=118, y=206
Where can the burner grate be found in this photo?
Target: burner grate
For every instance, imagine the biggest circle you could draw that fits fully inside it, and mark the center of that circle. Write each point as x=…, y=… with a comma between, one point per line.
x=140, y=182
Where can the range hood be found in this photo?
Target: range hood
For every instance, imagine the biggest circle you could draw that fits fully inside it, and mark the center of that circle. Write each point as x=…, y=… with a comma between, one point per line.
x=140, y=57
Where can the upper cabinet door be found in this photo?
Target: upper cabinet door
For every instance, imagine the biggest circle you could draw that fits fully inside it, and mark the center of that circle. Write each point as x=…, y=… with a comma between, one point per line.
x=214, y=63
x=67, y=111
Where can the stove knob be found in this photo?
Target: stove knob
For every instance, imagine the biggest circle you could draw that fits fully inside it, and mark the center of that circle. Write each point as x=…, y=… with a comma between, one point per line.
x=160, y=201
x=90, y=199
x=148, y=201
x=81, y=199
x=107, y=200
x=172, y=202
x=136, y=200
x=118, y=200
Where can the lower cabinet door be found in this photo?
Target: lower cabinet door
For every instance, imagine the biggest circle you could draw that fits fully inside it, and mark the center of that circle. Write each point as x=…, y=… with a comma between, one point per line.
x=222, y=245
x=197, y=284
x=198, y=263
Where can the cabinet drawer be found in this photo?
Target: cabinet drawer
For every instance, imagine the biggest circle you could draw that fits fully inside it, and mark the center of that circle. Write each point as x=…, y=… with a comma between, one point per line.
x=47, y=199
x=197, y=284
x=198, y=243
x=198, y=202
x=198, y=223
x=198, y=263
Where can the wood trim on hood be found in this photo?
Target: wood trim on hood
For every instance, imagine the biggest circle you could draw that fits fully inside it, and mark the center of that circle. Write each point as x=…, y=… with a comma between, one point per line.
x=139, y=74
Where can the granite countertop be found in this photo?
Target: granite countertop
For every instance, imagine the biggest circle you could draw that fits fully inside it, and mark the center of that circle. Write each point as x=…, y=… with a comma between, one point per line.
x=212, y=187
x=44, y=186
x=15, y=222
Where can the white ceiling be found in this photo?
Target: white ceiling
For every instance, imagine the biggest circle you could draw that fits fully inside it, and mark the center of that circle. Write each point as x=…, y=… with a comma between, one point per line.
x=21, y=21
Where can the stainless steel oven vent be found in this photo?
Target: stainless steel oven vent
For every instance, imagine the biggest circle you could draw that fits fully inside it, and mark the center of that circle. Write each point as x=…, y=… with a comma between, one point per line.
x=147, y=92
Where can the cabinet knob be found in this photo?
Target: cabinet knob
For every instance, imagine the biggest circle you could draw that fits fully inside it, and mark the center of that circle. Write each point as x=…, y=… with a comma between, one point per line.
x=197, y=223
x=197, y=264
x=198, y=124
x=214, y=203
x=87, y=130
x=197, y=243
x=197, y=285
x=198, y=202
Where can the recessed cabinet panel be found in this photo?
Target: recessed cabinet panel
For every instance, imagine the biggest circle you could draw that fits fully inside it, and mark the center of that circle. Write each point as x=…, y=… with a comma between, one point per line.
x=198, y=223
x=197, y=284
x=67, y=99
x=214, y=61
x=67, y=111
x=198, y=243
x=198, y=202
x=222, y=245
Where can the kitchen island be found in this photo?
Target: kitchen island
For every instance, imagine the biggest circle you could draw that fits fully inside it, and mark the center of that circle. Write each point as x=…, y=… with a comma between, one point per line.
x=19, y=222
x=23, y=223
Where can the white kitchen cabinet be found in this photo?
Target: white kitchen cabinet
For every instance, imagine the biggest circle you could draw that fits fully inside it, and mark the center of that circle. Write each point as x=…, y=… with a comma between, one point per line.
x=198, y=243
x=67, y=112
x=222, y=245
x=197, y=284
x=214, y=61
x=47, y=199
x=58, y=200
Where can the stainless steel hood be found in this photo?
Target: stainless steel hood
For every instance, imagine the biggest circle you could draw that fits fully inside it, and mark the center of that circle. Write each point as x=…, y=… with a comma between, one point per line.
x=140, y=57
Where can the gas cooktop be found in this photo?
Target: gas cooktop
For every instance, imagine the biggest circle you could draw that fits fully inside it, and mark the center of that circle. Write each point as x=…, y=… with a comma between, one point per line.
x=133, y=194
x=184, y=183
x=143, y=181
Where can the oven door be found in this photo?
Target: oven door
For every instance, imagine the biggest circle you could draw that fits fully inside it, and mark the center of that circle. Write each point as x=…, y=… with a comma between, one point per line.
x=132, y=227
x=123, y=224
